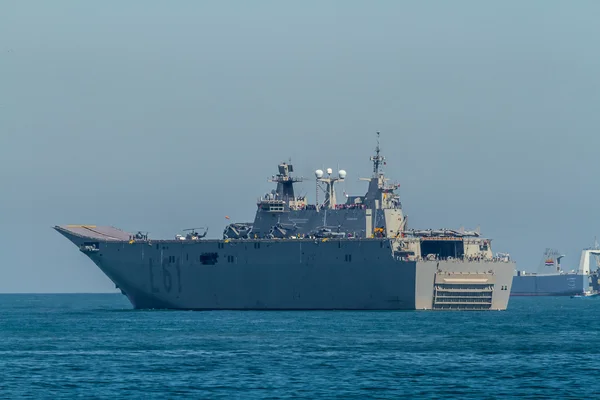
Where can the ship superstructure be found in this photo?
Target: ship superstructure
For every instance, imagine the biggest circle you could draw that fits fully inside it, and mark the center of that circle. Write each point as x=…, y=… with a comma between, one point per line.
x=357, y=254
x=551, y=279
x=282, y=214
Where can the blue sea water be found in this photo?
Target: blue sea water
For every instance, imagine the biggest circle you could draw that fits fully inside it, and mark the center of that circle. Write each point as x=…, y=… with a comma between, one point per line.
x=96, y=346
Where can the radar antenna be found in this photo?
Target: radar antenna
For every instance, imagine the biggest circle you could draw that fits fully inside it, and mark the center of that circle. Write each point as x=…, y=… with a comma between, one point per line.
x=285, y=182
x=330, y=198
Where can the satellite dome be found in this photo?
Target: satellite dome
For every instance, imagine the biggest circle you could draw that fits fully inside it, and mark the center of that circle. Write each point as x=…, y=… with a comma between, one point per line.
x=342, y=173
x=319, y=173
x=329, y=171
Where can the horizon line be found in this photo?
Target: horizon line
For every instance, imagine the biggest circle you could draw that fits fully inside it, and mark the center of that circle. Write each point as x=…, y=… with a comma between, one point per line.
x=1, y=293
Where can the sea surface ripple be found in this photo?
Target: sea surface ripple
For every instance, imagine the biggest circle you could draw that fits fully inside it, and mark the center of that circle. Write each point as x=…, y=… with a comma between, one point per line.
x=96, y=346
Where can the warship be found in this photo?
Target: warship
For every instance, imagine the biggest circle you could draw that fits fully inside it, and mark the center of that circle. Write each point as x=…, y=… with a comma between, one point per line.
x=354, y=255
x=551, y=279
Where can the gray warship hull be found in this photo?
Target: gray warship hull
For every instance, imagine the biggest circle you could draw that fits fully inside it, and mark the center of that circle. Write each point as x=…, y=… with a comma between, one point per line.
x=549, y=285
x=290, y=274
x=356, y=255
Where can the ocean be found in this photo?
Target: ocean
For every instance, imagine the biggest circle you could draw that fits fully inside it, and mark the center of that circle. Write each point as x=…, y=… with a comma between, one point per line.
x=96, y=346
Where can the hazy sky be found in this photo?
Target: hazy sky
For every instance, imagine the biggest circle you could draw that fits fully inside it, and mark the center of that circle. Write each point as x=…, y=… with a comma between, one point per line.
x=166, y=115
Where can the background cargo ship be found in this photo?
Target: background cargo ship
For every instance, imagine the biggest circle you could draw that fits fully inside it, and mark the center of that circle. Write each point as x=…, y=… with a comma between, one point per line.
x=357, y=255
x=552, y=280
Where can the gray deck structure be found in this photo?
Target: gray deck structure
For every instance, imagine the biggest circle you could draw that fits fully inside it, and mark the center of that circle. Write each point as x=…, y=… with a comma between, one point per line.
x=358, y=255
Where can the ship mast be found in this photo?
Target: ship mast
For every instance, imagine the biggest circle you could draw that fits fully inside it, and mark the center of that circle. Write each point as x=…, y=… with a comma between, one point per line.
x=285, y=182
x=377, y=159
x=329, y=181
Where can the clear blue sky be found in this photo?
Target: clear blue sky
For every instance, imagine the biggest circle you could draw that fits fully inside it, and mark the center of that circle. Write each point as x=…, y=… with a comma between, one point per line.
x=159, y=116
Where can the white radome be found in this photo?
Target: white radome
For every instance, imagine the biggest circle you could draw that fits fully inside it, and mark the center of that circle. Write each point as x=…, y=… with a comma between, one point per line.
x=342, y=174
x=329, y=171
x=319, y=173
